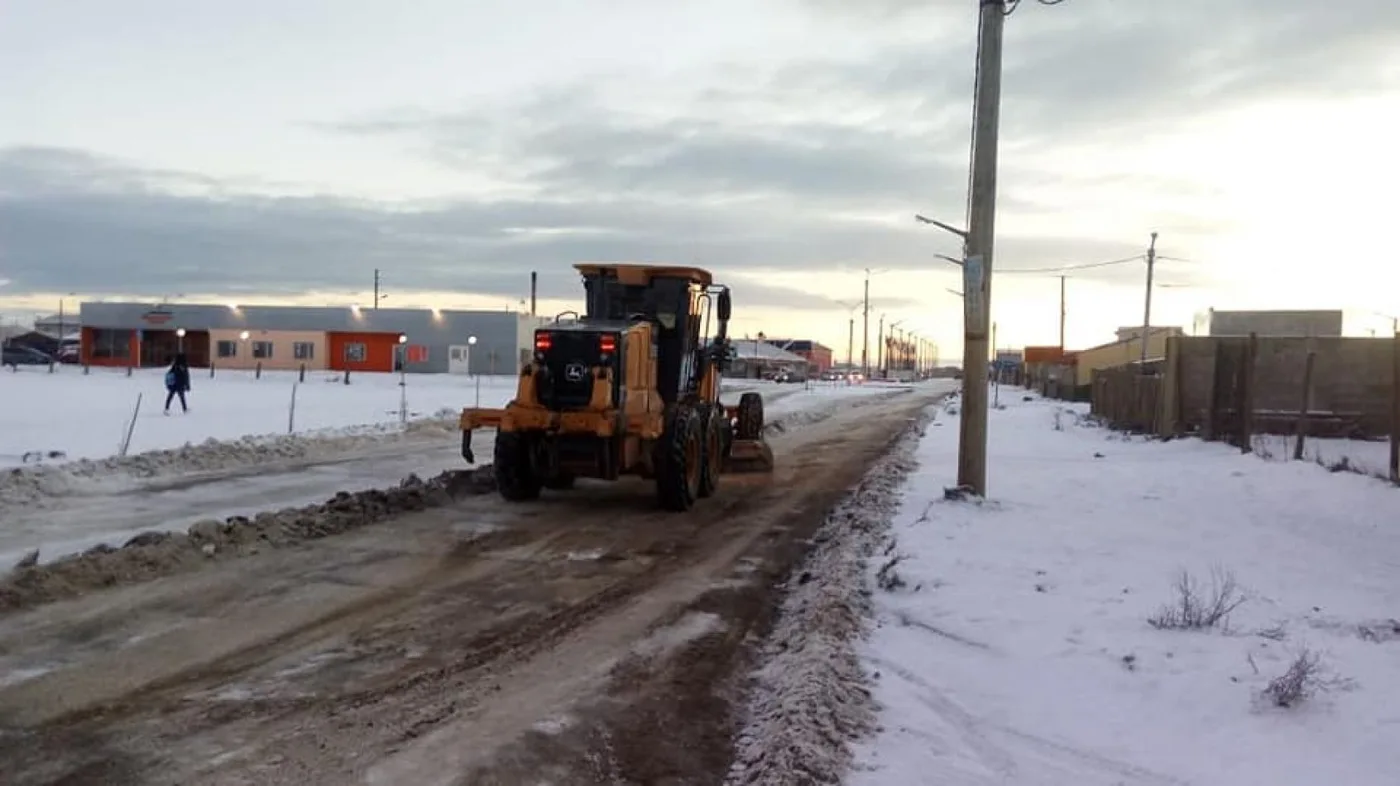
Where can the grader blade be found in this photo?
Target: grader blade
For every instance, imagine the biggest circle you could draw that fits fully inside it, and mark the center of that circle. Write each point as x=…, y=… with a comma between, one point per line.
x=748, y=456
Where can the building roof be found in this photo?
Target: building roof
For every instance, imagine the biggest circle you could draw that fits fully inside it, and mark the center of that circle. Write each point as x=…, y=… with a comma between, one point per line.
x=750, y=349
x=798, y=344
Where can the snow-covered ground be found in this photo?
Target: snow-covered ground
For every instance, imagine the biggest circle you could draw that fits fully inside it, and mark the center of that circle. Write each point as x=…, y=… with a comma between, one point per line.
x=1013, y=645
x=62, y=508
x=68, y=415
x=1366, y=457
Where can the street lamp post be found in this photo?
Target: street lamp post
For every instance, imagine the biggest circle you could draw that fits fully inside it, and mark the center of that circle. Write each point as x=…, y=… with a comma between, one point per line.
x=403, y=378
x=471, y=342
x=180, y=341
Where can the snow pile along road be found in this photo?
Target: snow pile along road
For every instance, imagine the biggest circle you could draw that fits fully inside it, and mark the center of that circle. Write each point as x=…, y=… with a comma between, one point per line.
x=29, y=486
x=809, y=698
x=1130, y=611
x=159, y=553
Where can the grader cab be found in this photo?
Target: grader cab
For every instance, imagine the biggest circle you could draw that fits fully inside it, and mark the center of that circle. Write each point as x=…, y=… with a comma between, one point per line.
x=631, y=387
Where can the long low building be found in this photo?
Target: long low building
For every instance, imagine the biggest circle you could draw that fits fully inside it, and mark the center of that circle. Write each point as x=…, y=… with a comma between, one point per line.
x=317, y=337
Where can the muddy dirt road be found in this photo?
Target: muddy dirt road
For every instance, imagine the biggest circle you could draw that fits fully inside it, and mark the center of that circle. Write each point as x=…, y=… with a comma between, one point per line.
x=586, y=638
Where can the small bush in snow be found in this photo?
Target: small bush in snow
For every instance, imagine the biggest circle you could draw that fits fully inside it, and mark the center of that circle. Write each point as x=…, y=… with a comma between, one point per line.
x=887, y=577
x=1195, y=609
x=1298, y=684
x=1059, y=420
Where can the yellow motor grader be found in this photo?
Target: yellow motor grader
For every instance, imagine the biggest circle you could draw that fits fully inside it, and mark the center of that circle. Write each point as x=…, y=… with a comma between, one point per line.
x=631, y=387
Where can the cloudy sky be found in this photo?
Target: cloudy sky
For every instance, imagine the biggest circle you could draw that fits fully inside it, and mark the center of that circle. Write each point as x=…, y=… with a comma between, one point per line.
x=274, y=151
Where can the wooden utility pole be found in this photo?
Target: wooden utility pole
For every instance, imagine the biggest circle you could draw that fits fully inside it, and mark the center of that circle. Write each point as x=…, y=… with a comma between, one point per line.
x=1147, y=307
x=1062, y=315
x=977, y=269
x=865, y=329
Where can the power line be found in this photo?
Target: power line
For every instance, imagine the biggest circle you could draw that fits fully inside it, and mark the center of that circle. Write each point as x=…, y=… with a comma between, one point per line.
x=1068, y=268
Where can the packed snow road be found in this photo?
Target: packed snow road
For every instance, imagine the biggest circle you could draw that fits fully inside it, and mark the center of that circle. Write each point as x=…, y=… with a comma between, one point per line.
x=474, y=642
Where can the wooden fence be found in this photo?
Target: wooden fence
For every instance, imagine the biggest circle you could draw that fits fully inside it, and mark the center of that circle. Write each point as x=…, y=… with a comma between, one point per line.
x=1230, y=388
x=1127, y=399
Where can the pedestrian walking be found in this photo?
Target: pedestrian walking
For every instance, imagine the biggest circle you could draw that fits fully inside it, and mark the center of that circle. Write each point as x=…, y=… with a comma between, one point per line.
x=177, y=383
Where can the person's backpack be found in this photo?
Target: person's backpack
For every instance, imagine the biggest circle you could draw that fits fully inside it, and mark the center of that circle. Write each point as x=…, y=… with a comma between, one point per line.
x=170, y=379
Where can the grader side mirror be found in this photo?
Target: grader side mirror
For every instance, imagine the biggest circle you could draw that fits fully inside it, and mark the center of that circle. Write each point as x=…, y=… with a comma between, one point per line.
x=725, y=305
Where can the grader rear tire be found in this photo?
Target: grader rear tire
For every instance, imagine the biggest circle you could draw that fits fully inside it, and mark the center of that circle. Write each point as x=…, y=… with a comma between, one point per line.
x=516, y=479
x=750, y=417
x=713, y=453
x=680, y=457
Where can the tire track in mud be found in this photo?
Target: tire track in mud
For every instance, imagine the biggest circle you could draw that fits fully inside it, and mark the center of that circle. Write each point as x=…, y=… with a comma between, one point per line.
x=379, y=700
x=670, y=717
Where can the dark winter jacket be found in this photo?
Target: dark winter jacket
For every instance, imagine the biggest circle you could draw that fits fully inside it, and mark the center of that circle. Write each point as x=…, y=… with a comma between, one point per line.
x=177, y=378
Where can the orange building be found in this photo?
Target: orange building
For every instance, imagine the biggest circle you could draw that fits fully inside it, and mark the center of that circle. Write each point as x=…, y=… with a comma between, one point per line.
x=361, y=351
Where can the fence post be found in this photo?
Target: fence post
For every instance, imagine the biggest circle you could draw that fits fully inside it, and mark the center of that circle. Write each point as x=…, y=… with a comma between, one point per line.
x=1167, y=393
x=131, y=426
x=257, y=371
x=292, y=411
x=1247, y=395
x=1209, y=430
x=301, y=375
x=1395, y=409
x=1305, y=406
x=211, y=369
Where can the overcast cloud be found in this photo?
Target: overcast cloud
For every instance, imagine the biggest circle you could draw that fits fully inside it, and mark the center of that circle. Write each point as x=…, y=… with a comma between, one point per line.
x=812, y=164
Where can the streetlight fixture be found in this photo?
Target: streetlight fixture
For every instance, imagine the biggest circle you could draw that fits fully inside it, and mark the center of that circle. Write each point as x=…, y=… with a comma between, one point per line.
x=471, y=342
x=179, y=340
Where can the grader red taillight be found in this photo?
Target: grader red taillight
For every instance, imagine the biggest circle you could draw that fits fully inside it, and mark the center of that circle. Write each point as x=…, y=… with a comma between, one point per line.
x=607, y=345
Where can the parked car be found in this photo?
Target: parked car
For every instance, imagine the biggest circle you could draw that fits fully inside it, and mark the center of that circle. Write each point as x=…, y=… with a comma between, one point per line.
x=25, y=356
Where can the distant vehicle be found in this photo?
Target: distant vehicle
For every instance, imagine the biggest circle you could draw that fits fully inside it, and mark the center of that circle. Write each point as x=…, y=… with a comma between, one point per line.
x=25, y=356
x=70, y=350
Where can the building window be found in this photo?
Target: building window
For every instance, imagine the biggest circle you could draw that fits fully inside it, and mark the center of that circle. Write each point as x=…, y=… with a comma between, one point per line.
x=416, y=353
x=111, y=344
x=262, y=350
x=227, y=349
x=304, y=350
x=355, y=353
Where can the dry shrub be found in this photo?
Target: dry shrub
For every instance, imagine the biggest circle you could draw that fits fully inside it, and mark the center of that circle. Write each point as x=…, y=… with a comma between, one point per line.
x=1198, y=609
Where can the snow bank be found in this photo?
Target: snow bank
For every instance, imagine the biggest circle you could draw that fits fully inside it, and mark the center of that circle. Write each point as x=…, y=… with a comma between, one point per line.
x=809, y=697
x=1014, y=643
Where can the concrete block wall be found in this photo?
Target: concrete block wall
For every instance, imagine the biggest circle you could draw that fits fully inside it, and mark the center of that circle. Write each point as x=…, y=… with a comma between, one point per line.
x=1349, y=375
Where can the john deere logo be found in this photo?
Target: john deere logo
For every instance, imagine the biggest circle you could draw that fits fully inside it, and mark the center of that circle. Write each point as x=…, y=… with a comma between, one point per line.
x=575, y=372
x=157, y=316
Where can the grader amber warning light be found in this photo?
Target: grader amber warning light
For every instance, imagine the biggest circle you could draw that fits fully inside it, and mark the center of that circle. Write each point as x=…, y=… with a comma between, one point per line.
x=632, y=387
